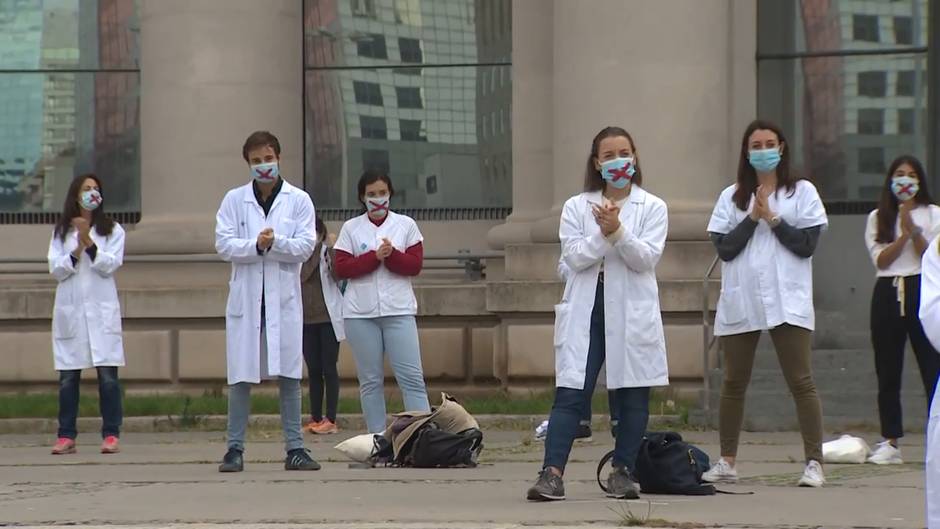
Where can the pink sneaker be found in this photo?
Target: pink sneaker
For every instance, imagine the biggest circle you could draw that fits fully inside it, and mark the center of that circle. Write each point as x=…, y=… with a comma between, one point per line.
x=312, y=426
x=110, y=445
x=326, y=427
x=63, y=445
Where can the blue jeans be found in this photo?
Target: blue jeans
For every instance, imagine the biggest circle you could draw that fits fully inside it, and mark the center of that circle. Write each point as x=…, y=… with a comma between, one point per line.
x=397, y=336
x=629, y=405
x=239, y=408
x=109, y=402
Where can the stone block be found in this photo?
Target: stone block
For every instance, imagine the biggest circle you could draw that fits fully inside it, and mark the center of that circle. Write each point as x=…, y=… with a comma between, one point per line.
x=195, y=302
x=531, y=350
x=523, y=296
x=532, y=262
x=27, y=357
x=483, y=352
x=451, y=300
x=148, y=356
x=202, y=354
x=684, y=350
x=13, y=304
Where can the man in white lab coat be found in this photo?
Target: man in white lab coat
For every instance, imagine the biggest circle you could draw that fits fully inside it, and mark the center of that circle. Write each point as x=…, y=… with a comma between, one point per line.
x=266, y=230
x=930, y=318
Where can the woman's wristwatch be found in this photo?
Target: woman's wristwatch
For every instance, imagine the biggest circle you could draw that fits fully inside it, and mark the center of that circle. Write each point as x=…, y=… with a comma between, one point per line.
x=775, y=221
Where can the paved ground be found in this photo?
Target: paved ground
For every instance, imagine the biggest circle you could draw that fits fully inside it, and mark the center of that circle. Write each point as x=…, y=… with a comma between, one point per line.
x=163, y=480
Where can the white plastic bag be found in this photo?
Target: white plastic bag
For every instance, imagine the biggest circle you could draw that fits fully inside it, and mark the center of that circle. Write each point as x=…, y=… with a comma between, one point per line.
x=541, y=431
x=846, y=449
x=358, y=448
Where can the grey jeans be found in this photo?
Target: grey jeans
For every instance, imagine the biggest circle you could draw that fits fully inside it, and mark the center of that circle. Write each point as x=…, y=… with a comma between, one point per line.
x=239, y=407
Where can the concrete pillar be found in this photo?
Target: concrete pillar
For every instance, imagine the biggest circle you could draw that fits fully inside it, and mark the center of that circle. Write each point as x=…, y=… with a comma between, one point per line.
x=685, y=95
x=212, y=72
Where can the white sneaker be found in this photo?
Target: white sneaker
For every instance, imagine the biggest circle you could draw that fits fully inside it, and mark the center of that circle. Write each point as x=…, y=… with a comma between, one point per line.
x=813, y=475
x=886, y=455
x=721, y=472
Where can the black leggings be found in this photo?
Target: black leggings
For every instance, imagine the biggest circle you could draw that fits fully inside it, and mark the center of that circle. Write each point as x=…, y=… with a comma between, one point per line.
x=321, y=352
x=889, y=333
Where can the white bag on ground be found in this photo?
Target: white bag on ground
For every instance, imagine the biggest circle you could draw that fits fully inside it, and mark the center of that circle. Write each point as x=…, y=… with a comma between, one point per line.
x=358, y=448
x=846, y=449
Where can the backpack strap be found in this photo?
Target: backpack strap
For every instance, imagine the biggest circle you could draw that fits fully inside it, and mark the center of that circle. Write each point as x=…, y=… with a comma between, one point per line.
x=600, y=467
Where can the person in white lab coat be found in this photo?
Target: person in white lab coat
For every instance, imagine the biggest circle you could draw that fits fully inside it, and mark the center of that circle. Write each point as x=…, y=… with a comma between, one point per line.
x=266, y=230
x=323, y=331
x=612, y=236
x=87, y=247
x=379, y=252
x=897, y=235
x=930, y=318
x=765, y=228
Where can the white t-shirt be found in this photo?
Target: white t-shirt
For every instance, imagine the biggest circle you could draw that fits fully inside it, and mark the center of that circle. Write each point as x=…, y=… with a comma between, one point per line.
x=908, y=263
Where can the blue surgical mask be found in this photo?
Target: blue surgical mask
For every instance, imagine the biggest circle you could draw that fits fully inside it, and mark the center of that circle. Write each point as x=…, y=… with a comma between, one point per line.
x=764, y=160
x=378, y=207
x=265, y=173
x=618, y=172
x=904, y=187
x=90, y=200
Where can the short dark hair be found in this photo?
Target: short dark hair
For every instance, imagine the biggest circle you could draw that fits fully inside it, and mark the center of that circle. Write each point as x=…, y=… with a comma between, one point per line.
x=370, y=177
x=261, y=138
x=593, y=180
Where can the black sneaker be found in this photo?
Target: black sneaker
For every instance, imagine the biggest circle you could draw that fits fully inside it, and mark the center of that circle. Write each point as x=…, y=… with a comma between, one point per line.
x=233, y=461
x=549, y=487
x=584, y=433
x=620, y=485
x=299, y=459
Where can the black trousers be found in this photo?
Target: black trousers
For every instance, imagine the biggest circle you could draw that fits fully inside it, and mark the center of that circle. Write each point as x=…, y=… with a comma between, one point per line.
x=889, y=333
x=321, y=352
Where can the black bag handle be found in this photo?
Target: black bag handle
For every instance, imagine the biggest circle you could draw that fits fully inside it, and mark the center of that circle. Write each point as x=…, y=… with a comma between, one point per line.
x=600, y=467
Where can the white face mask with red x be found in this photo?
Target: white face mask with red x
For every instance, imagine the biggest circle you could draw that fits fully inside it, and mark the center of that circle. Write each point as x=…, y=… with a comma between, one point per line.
x=904, y=187
x=378, y=207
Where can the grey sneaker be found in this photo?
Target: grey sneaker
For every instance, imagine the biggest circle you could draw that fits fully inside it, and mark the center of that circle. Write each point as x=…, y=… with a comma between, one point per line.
x=549, y=487
x=233, y=461
x=299, y=459
x=620, y=485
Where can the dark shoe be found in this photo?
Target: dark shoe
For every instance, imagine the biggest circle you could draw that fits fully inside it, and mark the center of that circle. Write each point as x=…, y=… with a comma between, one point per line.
x=549, y=487
x=620, y=485
x=299, y=459
x=584, y=433
x=233, y=461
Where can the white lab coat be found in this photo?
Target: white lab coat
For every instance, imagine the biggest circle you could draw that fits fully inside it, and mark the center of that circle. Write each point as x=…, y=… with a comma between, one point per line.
x=767, y=285
x=332, y=295
x=930, y=318
x=635, y=346
x=274, y=275
x=382, y=293
x=86, y=318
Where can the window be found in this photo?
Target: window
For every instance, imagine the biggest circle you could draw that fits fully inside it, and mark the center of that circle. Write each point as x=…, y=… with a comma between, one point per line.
x=372, y=46
x=373, y=127
x=367, y=93
x=873, y=84
x=903, y=30
x=410, y=50
x=363, y=8
x=871, y=121
x=871, y=160
x=411, y=130
x=865, y=28
x=905, y=121
x=905, y=86
x=409, y=97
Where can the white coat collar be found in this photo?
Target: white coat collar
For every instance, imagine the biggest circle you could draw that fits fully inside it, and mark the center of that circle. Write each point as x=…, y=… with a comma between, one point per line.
x=248, y=191
x=637, y=196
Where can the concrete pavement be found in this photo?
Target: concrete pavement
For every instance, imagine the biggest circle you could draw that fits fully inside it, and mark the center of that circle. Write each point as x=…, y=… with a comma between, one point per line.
x=167, y=479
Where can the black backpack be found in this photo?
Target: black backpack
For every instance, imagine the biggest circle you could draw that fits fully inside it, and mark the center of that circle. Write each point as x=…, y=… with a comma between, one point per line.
x=435, y=448
x=666, y=464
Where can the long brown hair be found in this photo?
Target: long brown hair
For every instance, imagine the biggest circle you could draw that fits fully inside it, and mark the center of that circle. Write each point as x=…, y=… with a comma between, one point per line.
x=593, y=181
x=888, y=205
x=747, y=176
x=101, y=222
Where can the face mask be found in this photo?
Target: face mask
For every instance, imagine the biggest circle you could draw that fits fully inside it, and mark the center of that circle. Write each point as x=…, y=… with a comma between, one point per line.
x=618, y=172
x=764, y=160
x=90, y=200
x=904, y=187
x=378, y=207
x=265, y=173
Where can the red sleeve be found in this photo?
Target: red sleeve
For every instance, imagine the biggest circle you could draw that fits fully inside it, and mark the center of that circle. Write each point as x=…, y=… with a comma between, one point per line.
x=407, y=263
x=348, y=267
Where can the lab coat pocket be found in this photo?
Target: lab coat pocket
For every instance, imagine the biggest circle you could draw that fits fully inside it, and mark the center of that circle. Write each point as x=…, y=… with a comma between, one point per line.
x=731, y=310
x=562, y=322
x=64, y=322
x=798, y=299
x=644, y=324
x=234, y=306
x=111, y=317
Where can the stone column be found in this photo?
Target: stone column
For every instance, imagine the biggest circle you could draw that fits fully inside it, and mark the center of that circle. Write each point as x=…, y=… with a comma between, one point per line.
x=212, y=72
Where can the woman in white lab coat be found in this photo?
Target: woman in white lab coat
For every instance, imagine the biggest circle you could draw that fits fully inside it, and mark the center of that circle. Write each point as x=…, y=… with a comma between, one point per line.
x=765, y=228
x=897, y=236
x=930, y=319
x=87, y=247
x=612, y=236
